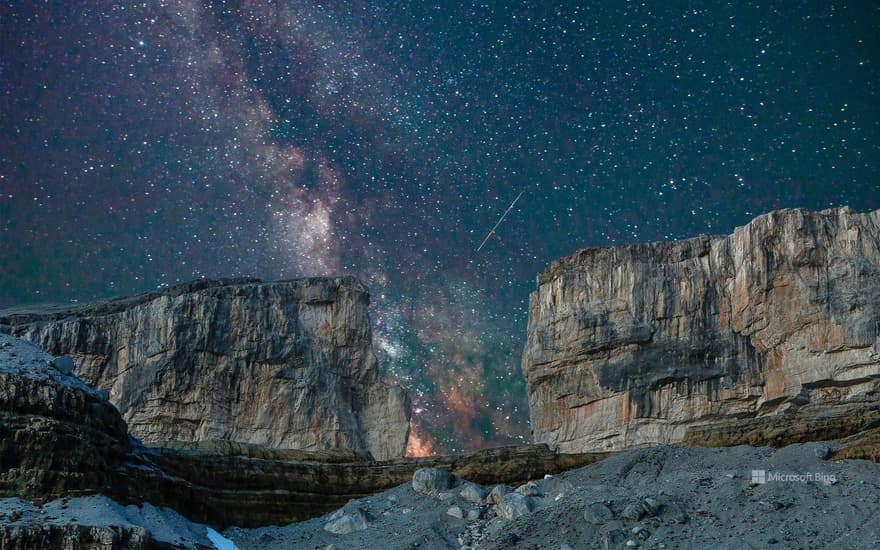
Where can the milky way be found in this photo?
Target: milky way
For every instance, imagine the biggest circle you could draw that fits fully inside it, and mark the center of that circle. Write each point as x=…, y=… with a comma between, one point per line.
x=144, y=144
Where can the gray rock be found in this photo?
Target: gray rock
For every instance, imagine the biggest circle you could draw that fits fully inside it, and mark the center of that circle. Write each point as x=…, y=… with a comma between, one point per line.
x=565, y=547
x=445, y=497
x=496, y=493
x=513, y=505
x=680, y=518
x=823, y=452
x=530, y=489
x=633, y=512
x=348, y=522
x=455, y=511
x=614, y=537
x=651, y=506
x=473, y=493
x=432, y=480
x=473, y=514
x=598, y=513
x=63, y=364
x=640, y=532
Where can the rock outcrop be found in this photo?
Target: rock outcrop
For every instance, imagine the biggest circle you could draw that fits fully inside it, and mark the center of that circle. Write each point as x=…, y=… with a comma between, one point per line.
x=640, y=344
x=57, y=436
x=60, y=439
x=286, y=364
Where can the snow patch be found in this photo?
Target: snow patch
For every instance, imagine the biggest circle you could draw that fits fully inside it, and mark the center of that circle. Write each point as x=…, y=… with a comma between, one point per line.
x=220, y=542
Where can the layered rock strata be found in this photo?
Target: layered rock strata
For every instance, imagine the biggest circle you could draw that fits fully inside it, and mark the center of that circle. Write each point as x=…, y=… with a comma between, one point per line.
x=212, y=486
x=59, y=438
x=634, y=345
x=285, y=365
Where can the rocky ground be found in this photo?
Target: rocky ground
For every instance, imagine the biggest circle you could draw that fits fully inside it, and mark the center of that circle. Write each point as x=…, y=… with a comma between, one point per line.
x=663, y=497
x=660, y=497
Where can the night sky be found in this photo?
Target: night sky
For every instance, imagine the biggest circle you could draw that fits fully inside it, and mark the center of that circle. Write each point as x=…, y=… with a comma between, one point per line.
x=145, y=144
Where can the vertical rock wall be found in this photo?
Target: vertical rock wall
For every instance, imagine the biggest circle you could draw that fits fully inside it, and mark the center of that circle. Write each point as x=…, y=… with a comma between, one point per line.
x=286, y=364
x=632, y=345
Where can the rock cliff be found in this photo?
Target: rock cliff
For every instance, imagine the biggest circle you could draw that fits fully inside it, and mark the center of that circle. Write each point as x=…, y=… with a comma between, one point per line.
x=285, y=365
x=641, y=344
x=61, y=439
x=57, y=436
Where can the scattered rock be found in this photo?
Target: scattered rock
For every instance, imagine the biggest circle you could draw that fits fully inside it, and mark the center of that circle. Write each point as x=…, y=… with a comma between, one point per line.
x=445, y=497
x=597, y=513
x=432, y=480
x=633, y=512
x=347, y=522
x=455, y=511
x=641, y=532
x=829, y=480
x=651, y=507
x=473, y=514
x=496, y=493
x=631, y=543
x=530, y=489
x=473, y=493
x=614, y=537
x=680, y=518
x=823, y=452
x=774, y=504
x=513, y=505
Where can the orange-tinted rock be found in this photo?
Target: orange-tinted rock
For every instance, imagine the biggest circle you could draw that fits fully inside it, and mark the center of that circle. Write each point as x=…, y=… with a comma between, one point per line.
x=633, y=345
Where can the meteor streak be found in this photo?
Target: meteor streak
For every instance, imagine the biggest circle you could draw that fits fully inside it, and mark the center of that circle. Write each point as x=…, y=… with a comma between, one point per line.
x=501, y=219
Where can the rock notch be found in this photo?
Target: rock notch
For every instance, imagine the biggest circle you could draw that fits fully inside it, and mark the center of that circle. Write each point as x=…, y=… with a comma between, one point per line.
x=286, y=365
x=642, y=344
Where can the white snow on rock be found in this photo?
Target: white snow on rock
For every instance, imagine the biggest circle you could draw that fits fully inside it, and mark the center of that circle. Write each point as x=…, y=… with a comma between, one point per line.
x=220, y=542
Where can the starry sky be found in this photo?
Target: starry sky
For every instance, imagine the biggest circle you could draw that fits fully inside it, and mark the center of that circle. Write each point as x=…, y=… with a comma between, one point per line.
x=148, y=143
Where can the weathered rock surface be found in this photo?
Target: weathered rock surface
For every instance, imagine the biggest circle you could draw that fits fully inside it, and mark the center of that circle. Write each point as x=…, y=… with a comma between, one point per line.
x=286, y=364
x=634, y=345
x=58, y=438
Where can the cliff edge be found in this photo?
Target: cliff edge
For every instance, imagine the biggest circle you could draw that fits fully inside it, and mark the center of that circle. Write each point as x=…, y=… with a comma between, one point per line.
x=658, y=343
x=286, y=365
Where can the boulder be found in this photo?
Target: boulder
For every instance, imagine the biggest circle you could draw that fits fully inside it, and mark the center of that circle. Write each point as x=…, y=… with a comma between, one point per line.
x=432, y=480
x=513, y=505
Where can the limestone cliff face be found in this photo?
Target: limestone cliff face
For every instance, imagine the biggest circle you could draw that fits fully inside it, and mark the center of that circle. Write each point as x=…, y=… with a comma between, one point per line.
x=285, y=365
x=634, y=345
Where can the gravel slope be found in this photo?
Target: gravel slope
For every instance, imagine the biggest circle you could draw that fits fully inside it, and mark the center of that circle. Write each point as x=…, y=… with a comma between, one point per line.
x=706, y=500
